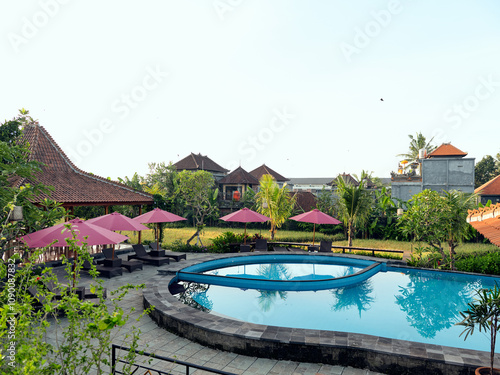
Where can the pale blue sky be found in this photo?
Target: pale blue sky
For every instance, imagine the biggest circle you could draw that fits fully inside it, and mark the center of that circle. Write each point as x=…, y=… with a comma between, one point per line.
x=293, y=84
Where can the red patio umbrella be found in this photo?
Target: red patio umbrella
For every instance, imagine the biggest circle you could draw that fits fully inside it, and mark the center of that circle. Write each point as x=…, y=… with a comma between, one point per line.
x=245, y=215
x=116, y=221
x=316, y=217
x=158, y=216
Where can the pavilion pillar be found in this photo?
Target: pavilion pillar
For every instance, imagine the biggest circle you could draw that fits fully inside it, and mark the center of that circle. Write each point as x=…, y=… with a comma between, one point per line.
x=106, y=210
x=139, y=237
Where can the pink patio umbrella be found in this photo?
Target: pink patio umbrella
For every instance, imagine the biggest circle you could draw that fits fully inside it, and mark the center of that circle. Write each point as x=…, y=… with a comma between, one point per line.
x=116, y=221
x=316, y=217
x=245, y=215
x=85, y=233
x=158, y=216
x=96, y=235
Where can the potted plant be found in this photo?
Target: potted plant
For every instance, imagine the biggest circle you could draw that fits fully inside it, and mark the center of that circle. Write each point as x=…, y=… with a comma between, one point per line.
x=484, y=313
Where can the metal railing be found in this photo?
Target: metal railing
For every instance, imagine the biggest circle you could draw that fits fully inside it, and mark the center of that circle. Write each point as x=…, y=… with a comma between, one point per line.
x=150, y=370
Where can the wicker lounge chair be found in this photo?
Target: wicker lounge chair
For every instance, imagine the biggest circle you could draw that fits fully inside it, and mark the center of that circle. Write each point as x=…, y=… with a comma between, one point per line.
x=325, y=247
x=244, y=248
x=130, y=265
x=167, y=253
x=108, y=272
x=261, y=245
x=142, y=255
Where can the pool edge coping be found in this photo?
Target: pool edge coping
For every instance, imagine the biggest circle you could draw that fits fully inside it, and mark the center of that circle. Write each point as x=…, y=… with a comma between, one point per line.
x=331, y=347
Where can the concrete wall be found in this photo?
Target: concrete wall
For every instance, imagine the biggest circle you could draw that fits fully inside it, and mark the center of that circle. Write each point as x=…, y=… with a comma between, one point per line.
x=405, y=189
x=448, y=174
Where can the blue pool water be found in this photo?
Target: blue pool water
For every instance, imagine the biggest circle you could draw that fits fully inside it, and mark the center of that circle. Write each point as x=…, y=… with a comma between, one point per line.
x=402, y=303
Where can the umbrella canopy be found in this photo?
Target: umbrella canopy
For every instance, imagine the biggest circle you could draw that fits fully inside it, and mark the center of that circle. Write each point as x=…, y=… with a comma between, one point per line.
x=316, y=217
x=158, y=216
x=117, y=221
x=245, y=215
x=96, y=235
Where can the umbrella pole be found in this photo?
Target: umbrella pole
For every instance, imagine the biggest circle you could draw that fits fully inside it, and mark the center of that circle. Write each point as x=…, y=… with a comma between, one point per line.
x=157, y=235
x=314, y=232
x=245, y=235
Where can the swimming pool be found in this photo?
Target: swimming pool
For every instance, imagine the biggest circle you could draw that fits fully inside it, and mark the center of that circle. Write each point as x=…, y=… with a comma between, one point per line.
x=399, y=303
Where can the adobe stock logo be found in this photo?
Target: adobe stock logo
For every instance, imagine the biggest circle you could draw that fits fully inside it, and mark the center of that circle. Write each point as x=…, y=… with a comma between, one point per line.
x=372, y=29
x=259, y=141
x=122, y=106
x=31, y=26
x=221, y=7
x=462, y=111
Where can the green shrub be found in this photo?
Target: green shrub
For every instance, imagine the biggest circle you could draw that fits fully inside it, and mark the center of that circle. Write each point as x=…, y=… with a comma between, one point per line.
x=486, y=263
x=182, y=247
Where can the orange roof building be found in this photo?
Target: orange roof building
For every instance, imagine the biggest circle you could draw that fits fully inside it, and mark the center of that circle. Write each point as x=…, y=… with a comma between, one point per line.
x=447, y=150
x=490, y=191
x=72, y=186
x=486, y=220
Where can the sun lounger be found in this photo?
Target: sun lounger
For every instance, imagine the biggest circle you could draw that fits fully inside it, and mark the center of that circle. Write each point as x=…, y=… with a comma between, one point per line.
x=142, y=255
x=244, y=248
x=280, y=248
x=325, y=247
x=261, y=245
x=167, y=253
x=108, y=272
x=129, y=265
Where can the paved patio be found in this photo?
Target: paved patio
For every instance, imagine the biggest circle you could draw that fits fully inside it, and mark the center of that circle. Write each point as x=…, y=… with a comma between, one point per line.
x=161, y=342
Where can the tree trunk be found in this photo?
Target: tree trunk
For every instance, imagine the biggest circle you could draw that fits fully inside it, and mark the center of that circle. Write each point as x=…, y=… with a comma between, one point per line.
x=349, y=236
x=196, y=234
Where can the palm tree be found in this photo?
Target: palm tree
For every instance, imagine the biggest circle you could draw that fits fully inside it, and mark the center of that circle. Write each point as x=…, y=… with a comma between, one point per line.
x=416, y=143
x=355, y=204
x=274, y=202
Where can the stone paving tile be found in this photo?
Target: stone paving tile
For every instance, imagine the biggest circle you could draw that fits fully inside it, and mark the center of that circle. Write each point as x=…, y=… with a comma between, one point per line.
x=261, y=366
x=163, y=343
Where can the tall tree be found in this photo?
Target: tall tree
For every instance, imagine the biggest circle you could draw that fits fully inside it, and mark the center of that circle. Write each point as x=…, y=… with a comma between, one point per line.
x=457, y=228
x=437, y=219
x=198, y=190
x=416, y=143
x=274, y=202
x=485, y=170
x=355, y=204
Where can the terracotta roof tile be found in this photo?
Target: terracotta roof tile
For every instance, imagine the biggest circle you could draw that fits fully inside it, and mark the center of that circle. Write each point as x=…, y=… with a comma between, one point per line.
x=445, y=150
x=264, y=169
x=492, y=187
x=72, y=186
x=486, y=220
x=239, y=176
x=195, y=162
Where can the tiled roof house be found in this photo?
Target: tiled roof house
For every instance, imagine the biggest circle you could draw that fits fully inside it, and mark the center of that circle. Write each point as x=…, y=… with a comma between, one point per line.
x=238, y=180
x=264, y=169
x=486, y=220
x=72, y=186
x=194, y=162
x=489, y=191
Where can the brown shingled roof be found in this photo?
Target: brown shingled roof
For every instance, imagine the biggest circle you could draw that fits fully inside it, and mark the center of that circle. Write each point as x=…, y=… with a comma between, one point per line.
x=446, y=150
x=264, y=169
x=195, y=162
x=486, y=220
x=492, y=187
x=239, y=176
x=72, y=186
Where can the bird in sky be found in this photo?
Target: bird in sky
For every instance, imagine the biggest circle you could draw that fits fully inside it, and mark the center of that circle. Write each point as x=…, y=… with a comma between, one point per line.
x=381, y=99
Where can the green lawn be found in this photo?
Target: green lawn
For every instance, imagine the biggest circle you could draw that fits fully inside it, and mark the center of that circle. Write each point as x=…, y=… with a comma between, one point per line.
x=173, y=234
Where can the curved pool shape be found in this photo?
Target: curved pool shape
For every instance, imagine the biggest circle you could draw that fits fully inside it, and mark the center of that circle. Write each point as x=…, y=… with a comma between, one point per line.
x=224, y=272
x=399, y=303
